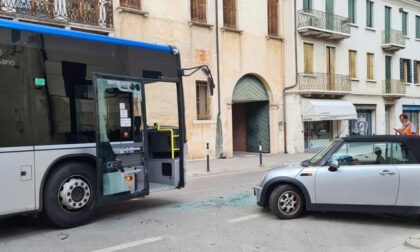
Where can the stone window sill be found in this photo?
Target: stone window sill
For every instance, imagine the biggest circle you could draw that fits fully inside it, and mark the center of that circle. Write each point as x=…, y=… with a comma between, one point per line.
x=200, y=24
x=132, y=11
x=371, y=81
x=355, y=79
x=230, y=29
x=354, y=25
x=370, y=29
x=272, y=37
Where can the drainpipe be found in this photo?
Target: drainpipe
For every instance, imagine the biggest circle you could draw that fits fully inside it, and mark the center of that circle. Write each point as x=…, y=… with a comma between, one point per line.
x=219, y=130
x=293, y=86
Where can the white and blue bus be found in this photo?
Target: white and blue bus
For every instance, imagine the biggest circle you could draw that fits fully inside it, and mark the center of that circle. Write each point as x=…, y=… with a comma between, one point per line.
x=86, y=120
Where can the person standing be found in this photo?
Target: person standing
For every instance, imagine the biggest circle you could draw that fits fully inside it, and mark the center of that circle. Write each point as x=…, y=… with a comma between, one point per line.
x=408, y=128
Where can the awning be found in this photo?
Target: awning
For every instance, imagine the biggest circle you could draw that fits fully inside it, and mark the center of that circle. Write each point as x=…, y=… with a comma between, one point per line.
x=327, y=110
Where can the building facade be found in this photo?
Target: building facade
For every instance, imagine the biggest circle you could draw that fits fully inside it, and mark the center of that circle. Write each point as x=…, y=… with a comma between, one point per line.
x=356, y=69
x=244, y=50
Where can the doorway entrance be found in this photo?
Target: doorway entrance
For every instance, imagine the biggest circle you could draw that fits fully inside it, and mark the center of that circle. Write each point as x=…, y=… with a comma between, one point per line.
x=250, y=116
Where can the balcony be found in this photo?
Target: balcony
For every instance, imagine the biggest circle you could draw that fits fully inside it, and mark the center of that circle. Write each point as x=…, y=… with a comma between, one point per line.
x=393, y=89
x=393, y=40
x=322, y=85
x=318, y=24
x=90, y=13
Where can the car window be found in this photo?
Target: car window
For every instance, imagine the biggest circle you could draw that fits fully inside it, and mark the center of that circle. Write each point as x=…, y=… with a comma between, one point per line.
x=360, y=153
x=401, y=154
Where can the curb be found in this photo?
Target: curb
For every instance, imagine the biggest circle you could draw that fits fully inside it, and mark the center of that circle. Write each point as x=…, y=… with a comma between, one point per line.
x=413, y=241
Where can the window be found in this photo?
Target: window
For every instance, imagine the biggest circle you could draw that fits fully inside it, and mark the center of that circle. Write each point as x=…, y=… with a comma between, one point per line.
x=307, y=5
x=404, y=16
x=370, y=66
x=308, y=57
x=417, y=72
x=353, y=64
x=203, y=101
x=16, y=127
x=405, y=70
x=352, y=11
x=229, y=13
x=401, y=154
x=369, y=13
x=418, y=27
x=360, y=153
x=199, y=11
x=135, y=4
x=273, y=17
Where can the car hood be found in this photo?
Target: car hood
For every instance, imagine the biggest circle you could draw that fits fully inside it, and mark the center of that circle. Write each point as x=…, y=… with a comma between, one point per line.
x=290, y=171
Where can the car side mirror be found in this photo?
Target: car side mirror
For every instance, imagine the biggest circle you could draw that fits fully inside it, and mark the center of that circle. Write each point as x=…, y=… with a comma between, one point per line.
x=334, y=166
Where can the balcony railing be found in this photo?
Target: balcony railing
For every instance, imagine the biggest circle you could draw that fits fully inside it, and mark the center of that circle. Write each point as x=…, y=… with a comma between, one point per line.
x=86, y=12
x=321, y=24
x=394, y=88
x=324, y=84
x=393, y=40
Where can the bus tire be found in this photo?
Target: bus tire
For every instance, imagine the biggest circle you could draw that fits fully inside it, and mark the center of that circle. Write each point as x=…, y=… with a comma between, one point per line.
x=70, y=195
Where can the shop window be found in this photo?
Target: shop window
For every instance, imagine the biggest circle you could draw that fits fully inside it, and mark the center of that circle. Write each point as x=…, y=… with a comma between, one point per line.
x=308, y=57
x=273, y=17
x=353, y=64
x=135, y=4
x=203, y=101
x=370, y=66
x=229, y=13
x=199, y=11
x=363, y=125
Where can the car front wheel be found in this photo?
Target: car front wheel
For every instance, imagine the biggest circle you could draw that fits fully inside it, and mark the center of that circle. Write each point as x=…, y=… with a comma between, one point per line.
x=286, y=202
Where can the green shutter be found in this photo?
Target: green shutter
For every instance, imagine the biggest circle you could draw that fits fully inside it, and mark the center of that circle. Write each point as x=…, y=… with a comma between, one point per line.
x=258, y=127
x=404, y=23
x=401, y=69
x=418, y=27
x=387, y=18
x=307, y=5
x=409, y=72
x=416, y=80
x=388, y=74
x=369, y=13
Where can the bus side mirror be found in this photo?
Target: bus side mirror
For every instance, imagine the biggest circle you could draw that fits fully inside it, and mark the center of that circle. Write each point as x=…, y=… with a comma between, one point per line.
x=210, y=80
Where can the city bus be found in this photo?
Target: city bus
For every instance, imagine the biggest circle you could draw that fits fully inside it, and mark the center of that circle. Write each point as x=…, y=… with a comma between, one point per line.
x=86, y=120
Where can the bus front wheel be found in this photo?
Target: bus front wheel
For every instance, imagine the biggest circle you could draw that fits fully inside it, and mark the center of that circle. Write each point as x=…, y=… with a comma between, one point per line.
x=70, y=195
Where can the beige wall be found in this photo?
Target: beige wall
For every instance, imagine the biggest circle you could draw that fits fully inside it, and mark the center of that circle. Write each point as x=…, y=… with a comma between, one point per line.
x=241, y=53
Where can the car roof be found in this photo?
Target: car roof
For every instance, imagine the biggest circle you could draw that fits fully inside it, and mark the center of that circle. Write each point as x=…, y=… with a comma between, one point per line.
x=415, y=140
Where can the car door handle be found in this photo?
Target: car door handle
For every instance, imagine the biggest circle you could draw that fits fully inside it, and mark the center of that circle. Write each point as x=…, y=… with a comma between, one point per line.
x=386, y=172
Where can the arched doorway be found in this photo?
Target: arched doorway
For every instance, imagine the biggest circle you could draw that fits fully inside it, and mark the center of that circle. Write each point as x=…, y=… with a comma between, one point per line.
x=250, y=116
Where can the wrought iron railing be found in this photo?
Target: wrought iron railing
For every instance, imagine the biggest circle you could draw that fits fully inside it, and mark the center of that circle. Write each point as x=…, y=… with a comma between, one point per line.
x=394, y=87
x=323, y=20
x=324, y=82
x=86, y=12
x=393, y=37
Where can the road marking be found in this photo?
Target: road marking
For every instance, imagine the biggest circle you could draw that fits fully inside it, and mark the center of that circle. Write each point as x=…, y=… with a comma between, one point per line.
x=130, y=244
x=244, y=218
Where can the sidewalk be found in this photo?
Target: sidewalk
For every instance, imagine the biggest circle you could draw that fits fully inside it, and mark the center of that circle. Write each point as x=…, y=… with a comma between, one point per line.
x=245, y=162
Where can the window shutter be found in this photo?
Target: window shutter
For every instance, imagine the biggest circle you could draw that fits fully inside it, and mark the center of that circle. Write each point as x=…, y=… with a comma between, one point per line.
x=409, y=72
x=416, y=65
x=402, y=69
x=273, y=17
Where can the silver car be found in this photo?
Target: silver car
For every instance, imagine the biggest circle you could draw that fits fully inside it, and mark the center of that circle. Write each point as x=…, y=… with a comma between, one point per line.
x=357, y=174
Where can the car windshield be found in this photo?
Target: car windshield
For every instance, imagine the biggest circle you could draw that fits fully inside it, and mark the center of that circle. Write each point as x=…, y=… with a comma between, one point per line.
x=322, y=153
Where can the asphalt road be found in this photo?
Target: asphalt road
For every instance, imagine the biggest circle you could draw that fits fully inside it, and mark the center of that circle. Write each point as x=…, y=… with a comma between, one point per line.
x=213, y=213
